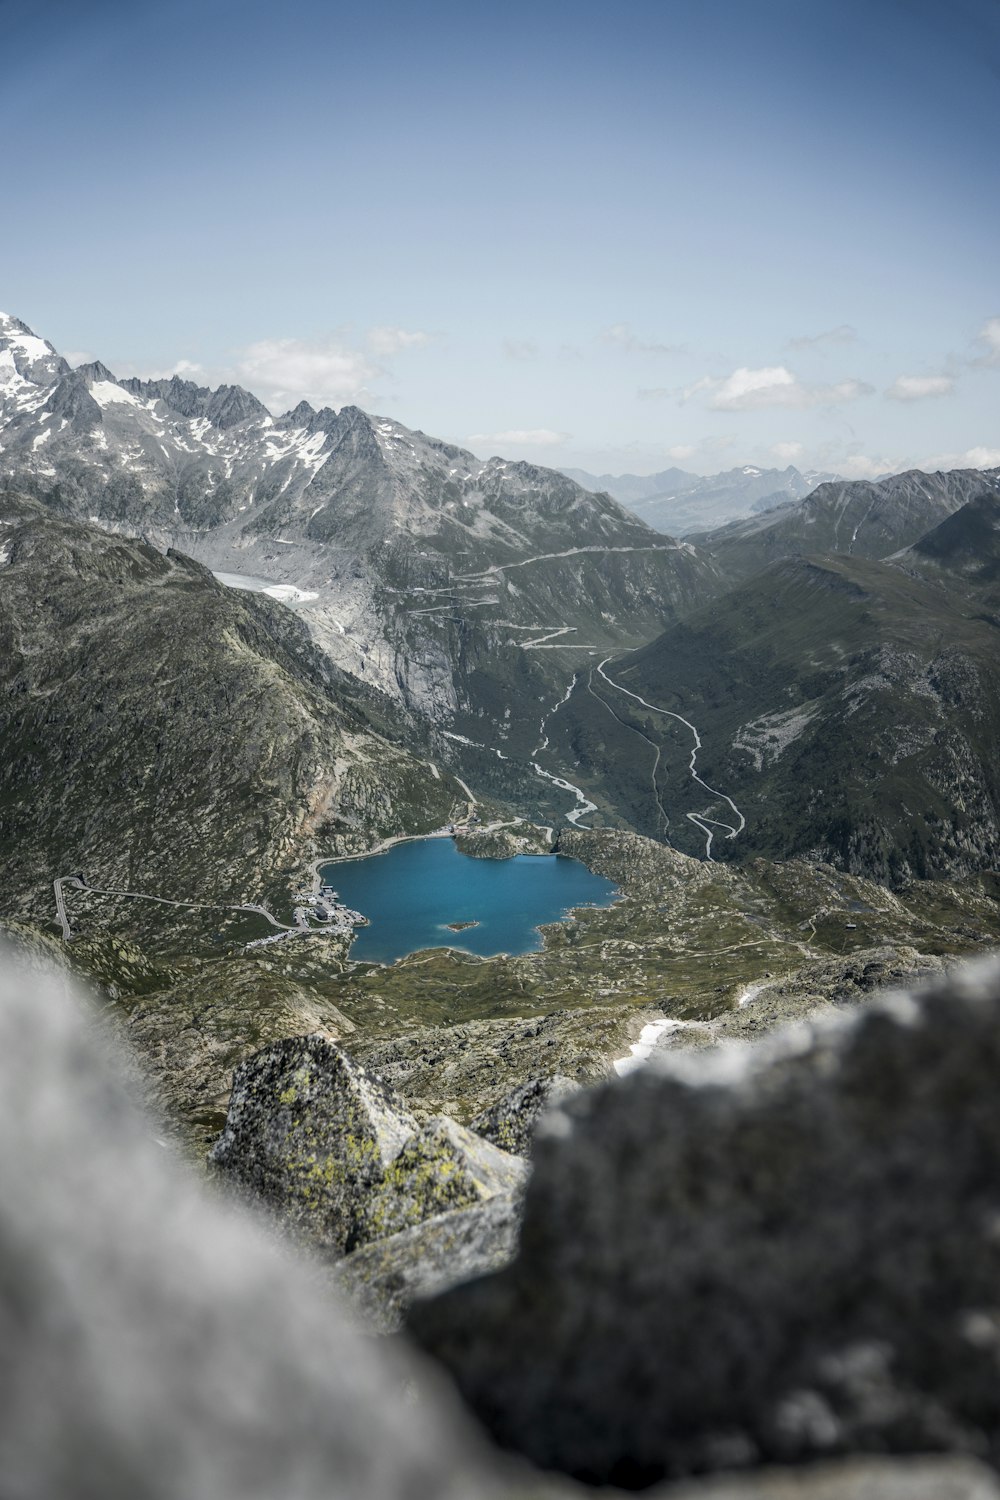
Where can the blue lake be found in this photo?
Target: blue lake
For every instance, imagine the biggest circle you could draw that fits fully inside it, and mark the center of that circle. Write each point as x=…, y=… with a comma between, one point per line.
x=411, y=892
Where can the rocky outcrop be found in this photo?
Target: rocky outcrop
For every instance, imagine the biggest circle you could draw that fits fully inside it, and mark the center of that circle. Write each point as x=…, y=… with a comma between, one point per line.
x=382, y=1279
x=520, y=837
x=157, y=1344
x=760, y=1254
x=339, y=1158
x=510, y=1123
x=440, y=1168
x=311, y=1134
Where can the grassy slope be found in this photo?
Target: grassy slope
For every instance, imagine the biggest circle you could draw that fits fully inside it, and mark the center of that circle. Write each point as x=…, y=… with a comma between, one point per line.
x=164, y=734
x=850, y=709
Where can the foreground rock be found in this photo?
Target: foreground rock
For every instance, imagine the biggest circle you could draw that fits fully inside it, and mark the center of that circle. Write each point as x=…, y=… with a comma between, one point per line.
x=768, y=1254
x=311, y=1134
x=155, y=1344
x=339, y=1157
x=384, y=1278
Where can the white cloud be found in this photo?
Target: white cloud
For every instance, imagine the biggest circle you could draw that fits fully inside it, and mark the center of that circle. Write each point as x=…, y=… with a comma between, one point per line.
x=76, y=357
x=620, y=335
x=787, y=452
x=520, y=437
x=919, y=387
x=283, y=372
x=681, y=450
x=772, y=385
x=972, y=458
x=187, y=369
x=859, y=466
x=388, y=341
x=989, y=338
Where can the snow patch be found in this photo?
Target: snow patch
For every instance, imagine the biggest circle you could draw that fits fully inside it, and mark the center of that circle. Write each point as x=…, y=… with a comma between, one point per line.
x=287, y=593
x=28, y=344
x=641, y=1051
x=106, y=393
x=749, y=993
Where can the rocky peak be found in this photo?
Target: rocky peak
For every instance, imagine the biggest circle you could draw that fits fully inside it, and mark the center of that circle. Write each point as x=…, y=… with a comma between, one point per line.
x=231, y=404
x=300, y=416
x=224, y=407
x=96, y=371
x=182, y=396
x=26, y=362
x=354, y=434
x=71, y=399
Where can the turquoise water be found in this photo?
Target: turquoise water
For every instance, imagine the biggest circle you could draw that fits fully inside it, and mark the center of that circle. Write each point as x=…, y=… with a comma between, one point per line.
x=411, y=892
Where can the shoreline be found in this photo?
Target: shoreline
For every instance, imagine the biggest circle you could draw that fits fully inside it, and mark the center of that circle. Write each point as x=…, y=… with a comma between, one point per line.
x=442, y=833
x=380, y=848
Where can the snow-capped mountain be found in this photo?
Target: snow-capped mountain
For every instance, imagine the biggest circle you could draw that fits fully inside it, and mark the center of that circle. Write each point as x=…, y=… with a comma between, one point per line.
x=439, y=577
x=178, y=458
x=29, y=368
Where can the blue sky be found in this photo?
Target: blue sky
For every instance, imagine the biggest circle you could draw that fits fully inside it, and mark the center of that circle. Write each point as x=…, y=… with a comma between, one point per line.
x=702, y=232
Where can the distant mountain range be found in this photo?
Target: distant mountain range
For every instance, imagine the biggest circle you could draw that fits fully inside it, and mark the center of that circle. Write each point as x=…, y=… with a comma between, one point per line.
x=841, y=707
x=457, y=586
x=859, y=518
x=678, y=503
x=511, y=619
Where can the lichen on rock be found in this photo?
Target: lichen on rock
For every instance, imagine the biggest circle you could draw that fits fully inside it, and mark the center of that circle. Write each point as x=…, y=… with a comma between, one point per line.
x=443, y=1166
x=311, y=1133
x=383, y=1278
x=339, y=1158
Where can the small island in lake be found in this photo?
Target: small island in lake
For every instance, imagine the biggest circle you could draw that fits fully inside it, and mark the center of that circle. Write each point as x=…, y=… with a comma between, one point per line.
x=460, y=926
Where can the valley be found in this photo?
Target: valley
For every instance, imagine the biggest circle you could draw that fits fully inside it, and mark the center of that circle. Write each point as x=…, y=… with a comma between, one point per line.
x=499, y=751
x=240, y=647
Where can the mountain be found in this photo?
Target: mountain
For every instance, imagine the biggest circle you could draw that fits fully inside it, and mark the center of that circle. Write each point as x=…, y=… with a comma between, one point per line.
x=631, y=489
x=455, y=585
x=165, y=734
x=679, y=503
x=859, y=518
x=833, y=708
x=964, y=549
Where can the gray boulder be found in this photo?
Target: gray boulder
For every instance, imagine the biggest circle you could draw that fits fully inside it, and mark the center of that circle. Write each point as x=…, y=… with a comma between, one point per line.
x=155, y=1344
x=759, y=1254
x=311, y=1134
x=510, y=1123
x=441, y=1167
x=382, y=1279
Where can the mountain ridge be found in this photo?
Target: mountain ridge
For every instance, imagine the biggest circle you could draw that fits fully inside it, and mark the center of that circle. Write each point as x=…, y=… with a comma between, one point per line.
x=678, y=503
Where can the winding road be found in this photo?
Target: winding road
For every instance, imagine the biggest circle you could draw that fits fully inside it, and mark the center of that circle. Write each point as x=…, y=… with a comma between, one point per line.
x=663, y=821
x=78, y=883
x=700, y=820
